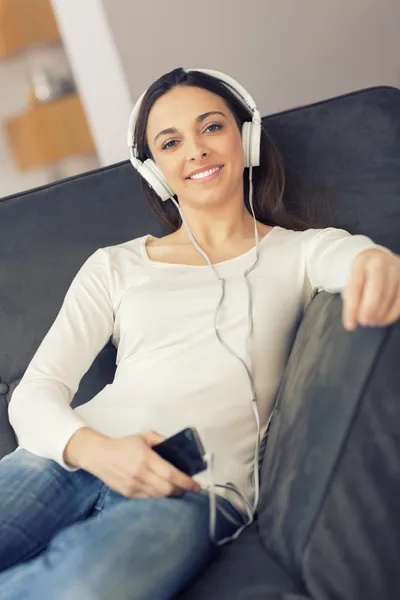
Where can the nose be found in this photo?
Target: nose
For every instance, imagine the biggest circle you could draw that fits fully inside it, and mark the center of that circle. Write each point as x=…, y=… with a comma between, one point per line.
x=195, y=149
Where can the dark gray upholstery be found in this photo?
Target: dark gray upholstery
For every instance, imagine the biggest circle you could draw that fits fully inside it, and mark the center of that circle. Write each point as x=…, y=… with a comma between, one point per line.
x=346, y=149
x=242, y=571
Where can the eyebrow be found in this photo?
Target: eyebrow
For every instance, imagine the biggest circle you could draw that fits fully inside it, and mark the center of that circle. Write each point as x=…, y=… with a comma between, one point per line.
x=199, y=119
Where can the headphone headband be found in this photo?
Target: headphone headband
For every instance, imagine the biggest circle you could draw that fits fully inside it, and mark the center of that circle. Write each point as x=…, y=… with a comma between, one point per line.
x=234, y=87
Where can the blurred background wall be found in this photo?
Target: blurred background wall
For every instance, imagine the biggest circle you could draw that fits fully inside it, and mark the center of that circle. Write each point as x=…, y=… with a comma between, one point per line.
x=286, y=53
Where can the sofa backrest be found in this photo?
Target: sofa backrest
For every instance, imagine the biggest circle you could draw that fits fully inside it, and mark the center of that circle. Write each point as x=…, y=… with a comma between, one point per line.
x=347, y=148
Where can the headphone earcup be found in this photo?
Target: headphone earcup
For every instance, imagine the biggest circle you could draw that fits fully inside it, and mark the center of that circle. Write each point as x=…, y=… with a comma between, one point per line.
x=251, y=138
x=154, y=177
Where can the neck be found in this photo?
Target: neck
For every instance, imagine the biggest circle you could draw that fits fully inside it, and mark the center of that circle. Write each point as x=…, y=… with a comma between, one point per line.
x=214, y=231
x=219, y=234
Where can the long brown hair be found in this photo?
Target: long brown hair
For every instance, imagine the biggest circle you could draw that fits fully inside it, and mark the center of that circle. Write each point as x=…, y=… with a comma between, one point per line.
x=276, y=198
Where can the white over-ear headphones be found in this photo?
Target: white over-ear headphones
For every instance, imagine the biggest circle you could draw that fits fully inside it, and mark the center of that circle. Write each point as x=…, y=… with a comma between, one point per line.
x=251, y=136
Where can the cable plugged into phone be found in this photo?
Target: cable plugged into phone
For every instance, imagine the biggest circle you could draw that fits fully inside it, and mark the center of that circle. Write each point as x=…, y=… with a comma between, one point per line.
x=209, y=460
x=186, y=452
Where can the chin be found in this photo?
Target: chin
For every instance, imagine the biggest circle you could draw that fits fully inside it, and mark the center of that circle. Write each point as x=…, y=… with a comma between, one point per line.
x=208, y=198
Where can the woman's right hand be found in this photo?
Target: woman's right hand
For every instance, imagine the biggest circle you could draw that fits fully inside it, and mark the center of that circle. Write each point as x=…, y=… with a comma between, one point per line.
x=130, y=467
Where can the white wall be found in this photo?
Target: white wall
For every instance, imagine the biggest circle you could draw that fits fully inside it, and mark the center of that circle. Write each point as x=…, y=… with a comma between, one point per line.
x=286, y=52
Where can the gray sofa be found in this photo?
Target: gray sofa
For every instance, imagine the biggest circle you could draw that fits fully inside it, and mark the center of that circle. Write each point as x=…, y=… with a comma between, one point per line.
x=344, y=151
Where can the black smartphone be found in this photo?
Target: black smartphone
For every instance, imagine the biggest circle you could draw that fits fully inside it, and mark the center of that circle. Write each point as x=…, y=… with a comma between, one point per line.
x=184, y=450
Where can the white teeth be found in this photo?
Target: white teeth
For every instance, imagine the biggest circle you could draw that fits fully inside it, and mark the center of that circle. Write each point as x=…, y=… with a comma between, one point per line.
x=204, y=173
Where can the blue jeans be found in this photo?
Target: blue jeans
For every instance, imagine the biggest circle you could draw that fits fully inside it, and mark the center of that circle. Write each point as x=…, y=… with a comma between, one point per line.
x=67, y=536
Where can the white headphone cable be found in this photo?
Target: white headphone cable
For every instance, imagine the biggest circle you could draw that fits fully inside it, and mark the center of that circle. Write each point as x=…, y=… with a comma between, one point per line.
x=231, y=487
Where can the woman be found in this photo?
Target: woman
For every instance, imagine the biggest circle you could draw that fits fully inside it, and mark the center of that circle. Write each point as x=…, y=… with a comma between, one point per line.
x=88, y=509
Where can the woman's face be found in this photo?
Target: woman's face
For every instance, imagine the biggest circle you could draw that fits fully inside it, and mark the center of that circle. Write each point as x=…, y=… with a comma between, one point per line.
x=202, y=134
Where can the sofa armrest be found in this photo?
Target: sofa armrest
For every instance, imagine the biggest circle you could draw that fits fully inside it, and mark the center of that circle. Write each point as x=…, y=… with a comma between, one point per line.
x=326, y=354
x=330, y=372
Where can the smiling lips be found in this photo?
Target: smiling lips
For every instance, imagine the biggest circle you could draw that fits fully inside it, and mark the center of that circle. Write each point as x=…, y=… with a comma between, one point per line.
x=206, y=175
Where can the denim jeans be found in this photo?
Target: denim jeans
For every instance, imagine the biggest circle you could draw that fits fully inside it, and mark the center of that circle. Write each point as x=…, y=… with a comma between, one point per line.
x=67, y=536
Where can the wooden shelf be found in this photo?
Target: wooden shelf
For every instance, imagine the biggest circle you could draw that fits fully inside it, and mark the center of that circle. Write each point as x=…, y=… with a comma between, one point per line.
x=24, y=23
x=49, y=132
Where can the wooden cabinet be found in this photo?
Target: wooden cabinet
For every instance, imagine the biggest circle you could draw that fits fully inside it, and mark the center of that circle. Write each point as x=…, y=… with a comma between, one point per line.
x=48, y=132
x=24, y=23
x=45, y=132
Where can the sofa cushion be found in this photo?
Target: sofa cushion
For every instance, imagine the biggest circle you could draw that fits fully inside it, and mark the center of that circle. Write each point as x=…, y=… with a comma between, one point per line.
x=7, y=437
x=100, y=374
x=243, y=571
x=346, y=154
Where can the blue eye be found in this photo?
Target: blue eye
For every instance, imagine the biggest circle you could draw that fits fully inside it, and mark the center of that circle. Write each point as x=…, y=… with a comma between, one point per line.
x=218, y=125
x=167, y=146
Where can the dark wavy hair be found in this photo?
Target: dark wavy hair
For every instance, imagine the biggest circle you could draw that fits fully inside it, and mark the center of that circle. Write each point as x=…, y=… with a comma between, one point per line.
x=276, y=197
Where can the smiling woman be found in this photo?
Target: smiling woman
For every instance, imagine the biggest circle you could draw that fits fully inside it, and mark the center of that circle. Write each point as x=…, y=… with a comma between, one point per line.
x=201, y=157
x=190, y=123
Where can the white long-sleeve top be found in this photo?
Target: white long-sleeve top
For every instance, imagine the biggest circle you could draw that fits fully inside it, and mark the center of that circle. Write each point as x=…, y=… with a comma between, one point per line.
x=172, y=372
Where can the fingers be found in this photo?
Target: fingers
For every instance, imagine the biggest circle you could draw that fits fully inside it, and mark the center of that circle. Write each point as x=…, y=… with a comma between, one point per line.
x=352, y=296
x=372, y=296
x=152, y=485
x=394, y=307
x=168, y=472
x=152, y=437
x=387, y=307
x=156, y=476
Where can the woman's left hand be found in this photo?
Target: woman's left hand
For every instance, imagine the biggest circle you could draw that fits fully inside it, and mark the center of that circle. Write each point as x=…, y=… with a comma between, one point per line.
x=372, y=296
